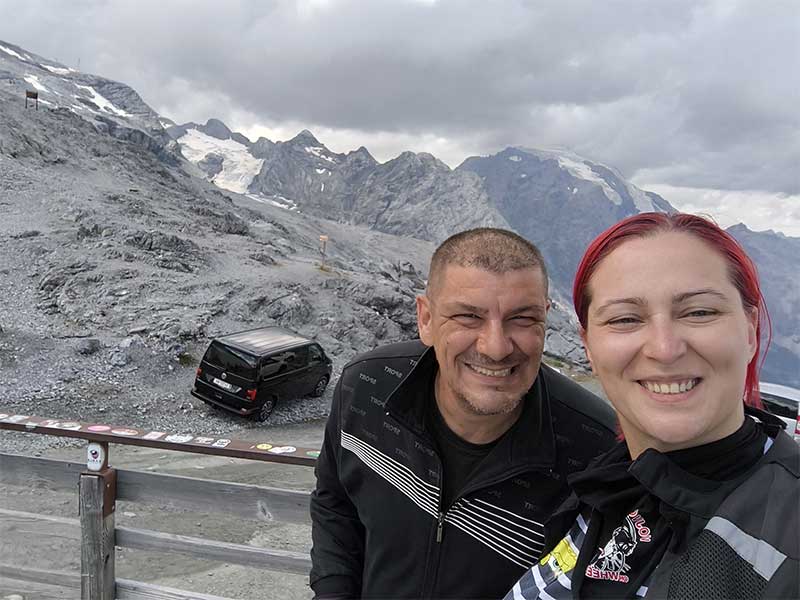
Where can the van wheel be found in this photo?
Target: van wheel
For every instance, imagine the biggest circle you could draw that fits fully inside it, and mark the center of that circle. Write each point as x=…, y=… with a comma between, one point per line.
x=319, y=389
x=266, y=409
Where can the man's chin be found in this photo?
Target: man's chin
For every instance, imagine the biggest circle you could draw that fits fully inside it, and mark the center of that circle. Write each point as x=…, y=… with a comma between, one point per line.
x=491, y=405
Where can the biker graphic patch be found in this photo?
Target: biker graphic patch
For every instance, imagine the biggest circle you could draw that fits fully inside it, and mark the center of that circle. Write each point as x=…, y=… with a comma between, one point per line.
x=610, y=563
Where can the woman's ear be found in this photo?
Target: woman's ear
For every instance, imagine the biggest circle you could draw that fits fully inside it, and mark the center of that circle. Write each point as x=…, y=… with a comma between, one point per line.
x=752, y=328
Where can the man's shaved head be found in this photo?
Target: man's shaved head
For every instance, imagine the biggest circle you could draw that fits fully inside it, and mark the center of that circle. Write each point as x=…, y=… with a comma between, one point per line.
x=490, y=249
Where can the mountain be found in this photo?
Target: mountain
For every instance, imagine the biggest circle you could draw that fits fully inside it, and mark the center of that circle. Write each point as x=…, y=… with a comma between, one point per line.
x=556, y=198
x=775, y=256
x=112, y=107
x=560, y=201
x=118, y=263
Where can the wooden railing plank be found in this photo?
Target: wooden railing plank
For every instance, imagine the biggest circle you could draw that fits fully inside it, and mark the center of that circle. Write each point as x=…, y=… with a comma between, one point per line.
x=137, y=590
x=65, y=579
x=266, y=558
x=205, y=495
x=251, y=556
x=34, y=472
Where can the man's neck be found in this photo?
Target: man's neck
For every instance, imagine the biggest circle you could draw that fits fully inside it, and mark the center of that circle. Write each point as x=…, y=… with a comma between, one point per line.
x=472, y=427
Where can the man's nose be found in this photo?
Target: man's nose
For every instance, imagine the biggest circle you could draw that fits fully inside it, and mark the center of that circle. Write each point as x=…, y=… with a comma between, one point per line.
x=494, y=341
x=665, y=342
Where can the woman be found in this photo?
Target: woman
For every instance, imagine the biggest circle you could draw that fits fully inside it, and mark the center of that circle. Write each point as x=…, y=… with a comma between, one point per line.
x=700, y=498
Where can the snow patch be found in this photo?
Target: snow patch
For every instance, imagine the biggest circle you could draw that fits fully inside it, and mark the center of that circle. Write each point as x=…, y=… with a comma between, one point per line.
x=514, y=158
x=582, y=170
x=318, y=152
x=640, y=199
x=523, y=175
x=34, y=81
x=58, y=70
x=278, y=201
x=11, y=52
x=321, y=171
x=322, y=189
x=103, y=102
x=239, y=167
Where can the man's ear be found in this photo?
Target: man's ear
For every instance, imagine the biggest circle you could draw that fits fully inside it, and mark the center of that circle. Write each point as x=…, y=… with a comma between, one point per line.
x=424, y=318
x=582, y=332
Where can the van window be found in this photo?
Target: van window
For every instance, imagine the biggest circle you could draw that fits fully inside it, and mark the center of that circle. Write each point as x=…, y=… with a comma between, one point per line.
x=315, y=354
x=300, y=358
x=232, y=361
x=284, y=362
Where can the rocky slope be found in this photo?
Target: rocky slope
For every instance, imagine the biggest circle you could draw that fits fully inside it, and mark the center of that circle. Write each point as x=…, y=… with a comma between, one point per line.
x=117, y=267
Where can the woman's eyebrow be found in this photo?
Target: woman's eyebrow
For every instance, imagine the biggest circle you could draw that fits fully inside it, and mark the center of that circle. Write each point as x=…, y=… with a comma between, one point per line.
x=705, y=291
x=637, y=300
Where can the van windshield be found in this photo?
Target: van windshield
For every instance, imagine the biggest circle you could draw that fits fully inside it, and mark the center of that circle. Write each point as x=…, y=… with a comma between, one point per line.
x=233, y=361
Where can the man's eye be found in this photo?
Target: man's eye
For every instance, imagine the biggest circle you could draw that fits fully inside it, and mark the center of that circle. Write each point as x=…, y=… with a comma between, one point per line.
x=628, y=321
x=525, y=320
x=466, y=318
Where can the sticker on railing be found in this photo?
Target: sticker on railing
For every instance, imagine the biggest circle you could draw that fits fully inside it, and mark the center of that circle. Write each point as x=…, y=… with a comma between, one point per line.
x=282, y=450
x=125, y=431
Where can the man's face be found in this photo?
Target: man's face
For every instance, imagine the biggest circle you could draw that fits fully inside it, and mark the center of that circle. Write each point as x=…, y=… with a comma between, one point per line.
x=488, y=331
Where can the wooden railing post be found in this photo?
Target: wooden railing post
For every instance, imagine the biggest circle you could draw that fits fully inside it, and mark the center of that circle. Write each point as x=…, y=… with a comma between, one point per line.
x=97, y=499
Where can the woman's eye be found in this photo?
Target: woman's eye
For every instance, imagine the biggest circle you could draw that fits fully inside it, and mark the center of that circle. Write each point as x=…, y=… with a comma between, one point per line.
x=701, y=313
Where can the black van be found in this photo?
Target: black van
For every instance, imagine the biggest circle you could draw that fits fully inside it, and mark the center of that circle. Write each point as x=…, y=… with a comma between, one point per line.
x=247, y=372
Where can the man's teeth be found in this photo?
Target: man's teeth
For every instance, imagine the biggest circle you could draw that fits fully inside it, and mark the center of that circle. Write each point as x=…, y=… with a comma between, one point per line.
x=491, y=372
x=676, y=387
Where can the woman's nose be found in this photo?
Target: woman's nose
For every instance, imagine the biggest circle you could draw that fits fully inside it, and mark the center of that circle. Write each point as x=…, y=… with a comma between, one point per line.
x=665, y=342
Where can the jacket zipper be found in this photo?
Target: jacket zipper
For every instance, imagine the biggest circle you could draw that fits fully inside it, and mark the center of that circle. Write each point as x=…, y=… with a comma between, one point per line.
x=431, y=575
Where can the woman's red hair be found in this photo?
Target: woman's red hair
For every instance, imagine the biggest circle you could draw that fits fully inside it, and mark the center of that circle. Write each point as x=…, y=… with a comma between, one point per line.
x=742, y=272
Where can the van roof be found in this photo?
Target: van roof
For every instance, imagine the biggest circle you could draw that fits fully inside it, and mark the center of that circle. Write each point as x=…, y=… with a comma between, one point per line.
x=263, y=340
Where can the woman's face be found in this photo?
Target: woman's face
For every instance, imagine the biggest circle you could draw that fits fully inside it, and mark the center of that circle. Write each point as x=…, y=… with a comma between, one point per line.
x=670, y=340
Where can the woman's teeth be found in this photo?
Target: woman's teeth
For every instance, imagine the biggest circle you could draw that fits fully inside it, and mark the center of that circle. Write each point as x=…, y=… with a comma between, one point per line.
x=675, y=387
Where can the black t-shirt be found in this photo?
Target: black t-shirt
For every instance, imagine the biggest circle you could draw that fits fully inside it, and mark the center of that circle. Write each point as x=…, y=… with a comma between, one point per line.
x=459, y=457
x=630, y=528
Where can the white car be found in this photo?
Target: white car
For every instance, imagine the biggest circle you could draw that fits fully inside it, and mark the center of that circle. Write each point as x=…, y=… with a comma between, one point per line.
x=784, y=402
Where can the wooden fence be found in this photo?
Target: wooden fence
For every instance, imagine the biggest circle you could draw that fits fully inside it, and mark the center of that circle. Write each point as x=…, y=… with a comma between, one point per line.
x=99, y=489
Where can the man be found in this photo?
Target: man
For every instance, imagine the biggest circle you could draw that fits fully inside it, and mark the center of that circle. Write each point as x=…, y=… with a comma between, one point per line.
x=440, y=465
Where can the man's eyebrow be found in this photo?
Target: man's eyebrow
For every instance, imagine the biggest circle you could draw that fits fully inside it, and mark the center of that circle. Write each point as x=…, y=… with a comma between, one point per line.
x=464, y=307
x=535, y=308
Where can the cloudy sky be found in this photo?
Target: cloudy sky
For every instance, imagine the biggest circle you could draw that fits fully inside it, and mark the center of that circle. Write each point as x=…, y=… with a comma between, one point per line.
x=697, y=101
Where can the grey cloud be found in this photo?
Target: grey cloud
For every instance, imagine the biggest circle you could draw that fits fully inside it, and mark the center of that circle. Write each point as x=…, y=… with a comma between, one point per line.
x=699, y=94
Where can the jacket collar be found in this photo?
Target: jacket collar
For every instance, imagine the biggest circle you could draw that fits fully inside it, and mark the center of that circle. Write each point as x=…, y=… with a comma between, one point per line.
x=692, y=494
x=530, y=441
